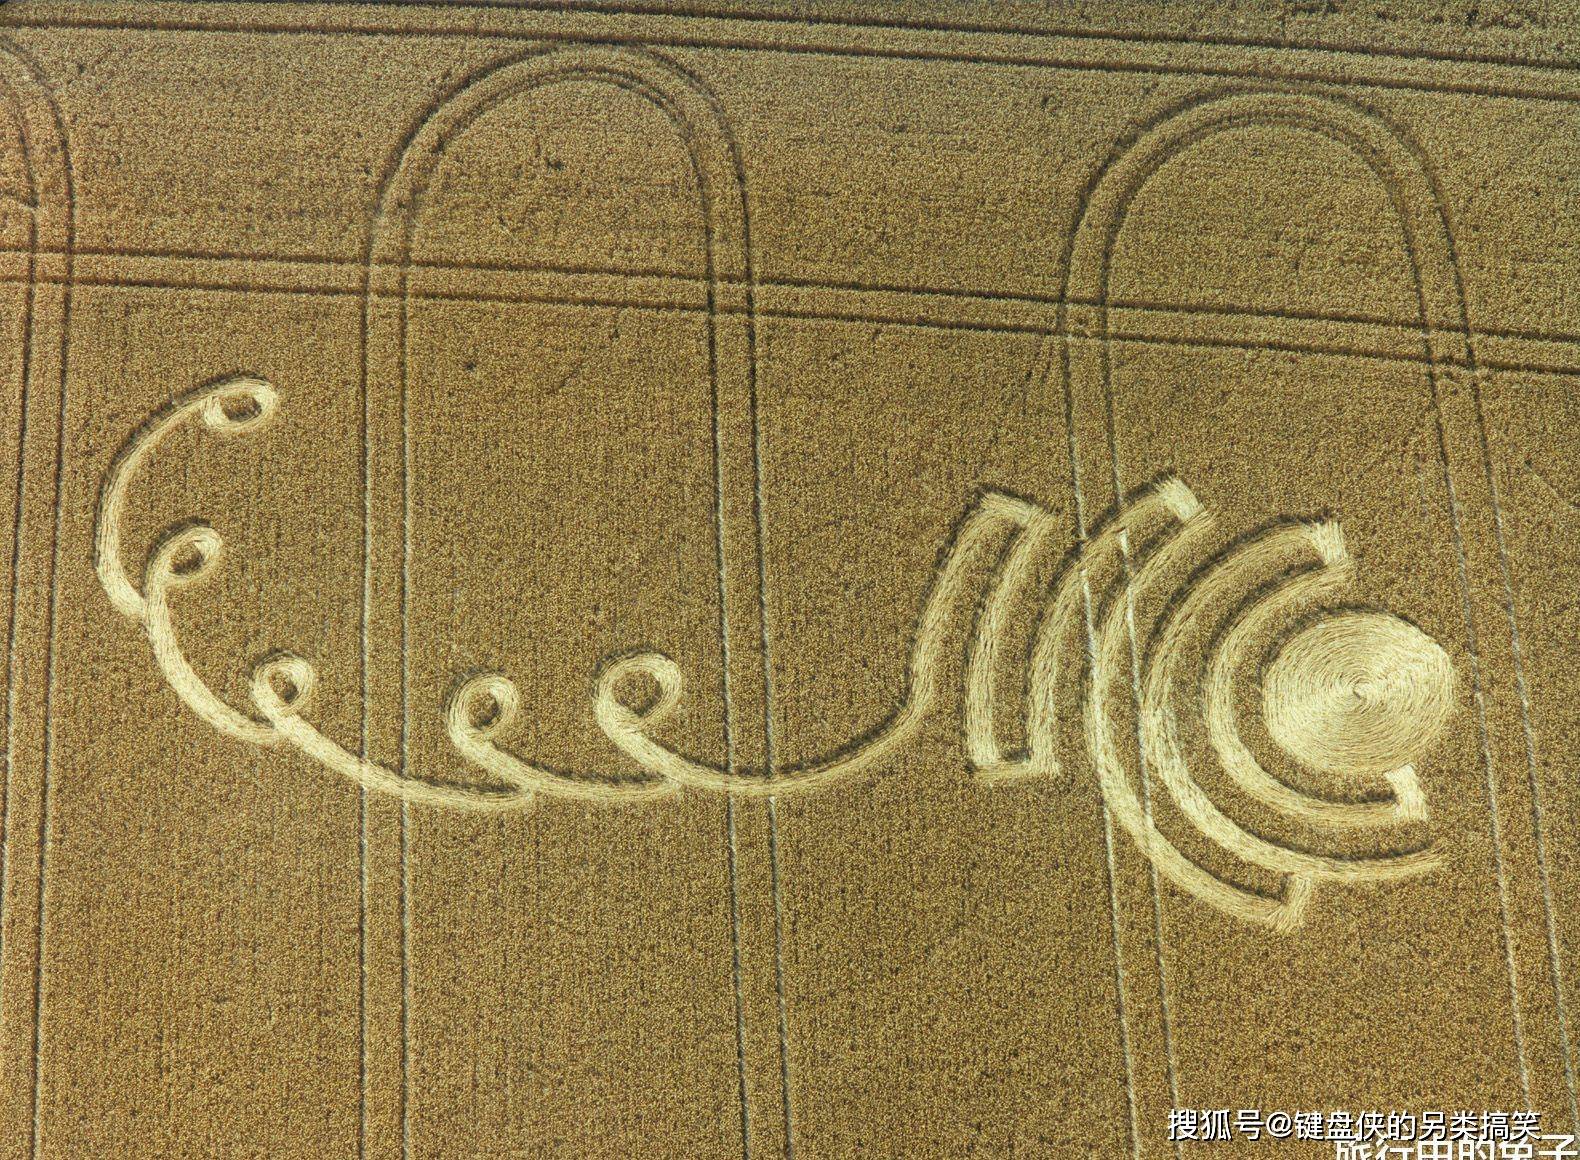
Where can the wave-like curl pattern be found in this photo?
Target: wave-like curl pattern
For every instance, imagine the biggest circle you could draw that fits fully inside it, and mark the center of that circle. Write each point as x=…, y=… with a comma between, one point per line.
x=1351, y=693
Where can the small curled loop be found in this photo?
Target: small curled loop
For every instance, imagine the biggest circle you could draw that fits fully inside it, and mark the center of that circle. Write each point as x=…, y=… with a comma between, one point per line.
x=239, y=403
x=282, y=685
x=486, y=705
x=227, y=406
x=185, y=553
x=612, y=711
x=482, y=707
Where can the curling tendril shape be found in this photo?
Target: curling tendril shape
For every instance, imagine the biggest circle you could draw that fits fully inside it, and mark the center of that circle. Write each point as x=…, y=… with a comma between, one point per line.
x=1352, y=694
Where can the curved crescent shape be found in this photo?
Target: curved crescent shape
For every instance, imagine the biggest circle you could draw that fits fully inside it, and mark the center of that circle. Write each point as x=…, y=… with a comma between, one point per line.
x=1408, y=803
x=1161, y=744
x=1281, y=913
x=982, y=666
x=982, y=747
x=628, y=729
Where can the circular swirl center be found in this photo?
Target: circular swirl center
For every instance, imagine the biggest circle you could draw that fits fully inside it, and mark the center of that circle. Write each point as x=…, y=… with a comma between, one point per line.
x=1358, y=692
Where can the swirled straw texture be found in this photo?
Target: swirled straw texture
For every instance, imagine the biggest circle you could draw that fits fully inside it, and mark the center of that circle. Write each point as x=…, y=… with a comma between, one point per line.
x=1358, y=691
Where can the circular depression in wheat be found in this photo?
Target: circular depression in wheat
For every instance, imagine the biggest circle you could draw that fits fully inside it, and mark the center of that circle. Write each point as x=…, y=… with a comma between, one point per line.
x=1358, y=692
